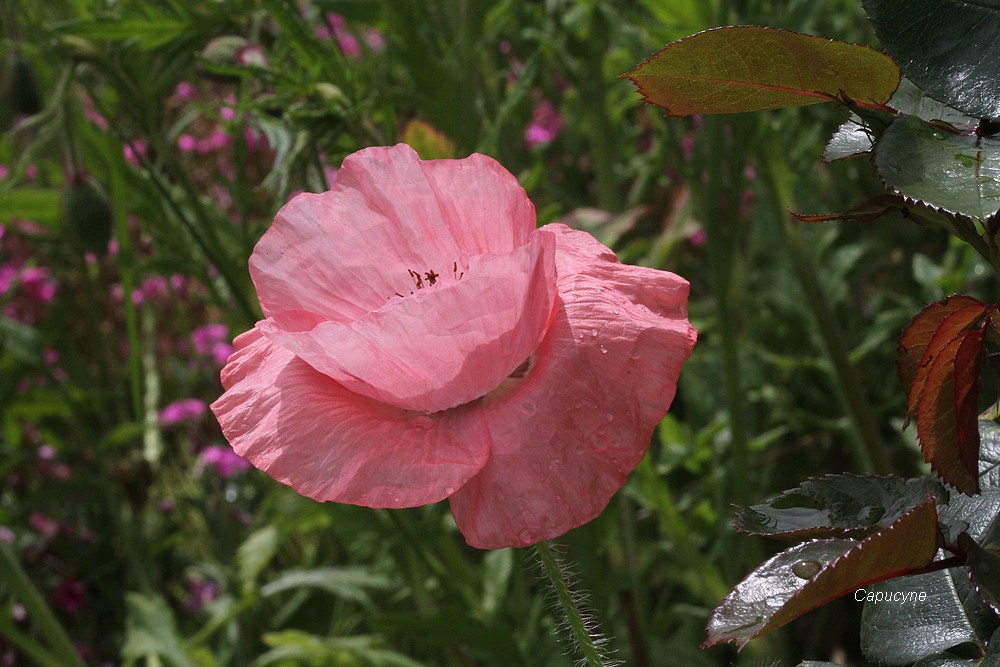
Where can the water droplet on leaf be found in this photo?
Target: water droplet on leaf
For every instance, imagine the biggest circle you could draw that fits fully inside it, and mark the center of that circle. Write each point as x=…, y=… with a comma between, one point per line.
x=806, y=569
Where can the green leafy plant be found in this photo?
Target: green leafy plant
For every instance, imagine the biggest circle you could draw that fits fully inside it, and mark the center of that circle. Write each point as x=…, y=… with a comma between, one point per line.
x=929, y=137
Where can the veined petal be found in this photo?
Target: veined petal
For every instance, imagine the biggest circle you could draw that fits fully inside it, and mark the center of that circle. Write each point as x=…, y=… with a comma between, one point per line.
x=566, y=435
x=307, y=431
x=440, y=348
x=387, y=217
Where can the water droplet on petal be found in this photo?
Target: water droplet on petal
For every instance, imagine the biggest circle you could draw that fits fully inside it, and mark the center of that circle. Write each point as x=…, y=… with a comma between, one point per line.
x=610, y=417
x=604, y=350
x=528, y=407
x=578, y=449
x=449, y=490
x=807, y=569
x=593, y=333
x=424, y=422
x=616, y=311
x=578, y=403
x=396, y=499
x=635, y=353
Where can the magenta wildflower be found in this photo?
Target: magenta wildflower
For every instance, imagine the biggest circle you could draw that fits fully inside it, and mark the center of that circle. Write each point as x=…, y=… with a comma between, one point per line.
x=225, y=461
x=71, y=595
x=546, y=124
x=186, y=409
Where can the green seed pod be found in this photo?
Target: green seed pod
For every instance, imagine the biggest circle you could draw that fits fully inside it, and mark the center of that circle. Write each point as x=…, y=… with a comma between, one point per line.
x=87, y=215
x=22, y=90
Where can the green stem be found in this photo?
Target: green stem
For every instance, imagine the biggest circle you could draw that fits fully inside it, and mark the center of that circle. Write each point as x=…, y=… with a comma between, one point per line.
x=869, y=451
x=723, y=258
x=43, y=618
x=581, y=627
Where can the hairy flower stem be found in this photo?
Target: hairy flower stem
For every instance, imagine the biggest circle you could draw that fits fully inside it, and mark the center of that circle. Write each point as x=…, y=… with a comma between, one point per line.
x=586, y=640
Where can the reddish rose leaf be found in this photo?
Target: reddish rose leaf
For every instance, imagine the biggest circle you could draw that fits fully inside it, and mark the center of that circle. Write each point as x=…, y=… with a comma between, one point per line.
x=924, y=337
x=751, y=68
x=947, y=411
x=811, y=574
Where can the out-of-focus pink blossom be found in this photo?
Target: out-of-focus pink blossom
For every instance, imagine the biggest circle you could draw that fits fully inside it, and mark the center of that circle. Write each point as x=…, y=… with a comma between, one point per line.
x=212, y=340
x=184, y=91
x=200, y=593
x=187, y=143
x=43, y=524
x=225, y=461
x=134, y=151
x=227, y=114
x=218, y=140
x=71, y=595
x=186, y=409
x=698, y=238
x=6, y=535
x=4, y=172
x=375, y=40
x=96, y=118
x=546, y=123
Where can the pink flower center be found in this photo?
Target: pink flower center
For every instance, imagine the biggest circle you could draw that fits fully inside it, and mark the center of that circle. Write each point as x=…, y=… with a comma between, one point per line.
x=429, y=278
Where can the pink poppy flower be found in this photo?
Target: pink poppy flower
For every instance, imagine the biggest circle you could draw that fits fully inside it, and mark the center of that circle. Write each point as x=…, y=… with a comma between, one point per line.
x=424, y=340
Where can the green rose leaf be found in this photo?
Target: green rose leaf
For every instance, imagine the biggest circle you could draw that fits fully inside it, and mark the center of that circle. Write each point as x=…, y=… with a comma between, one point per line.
x=808, y=575
x=949, y=48
x=751, y=68
x=838, y=505
x=958, y=173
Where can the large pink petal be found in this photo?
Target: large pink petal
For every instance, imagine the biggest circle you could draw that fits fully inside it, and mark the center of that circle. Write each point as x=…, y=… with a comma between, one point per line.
x=307, y=431
x=443, y=347
x=388, y=220
x=566, y=435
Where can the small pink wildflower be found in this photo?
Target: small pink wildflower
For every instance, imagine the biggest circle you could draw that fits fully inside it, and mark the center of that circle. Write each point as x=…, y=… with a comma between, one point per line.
x=225, y=461
x=424, y=340
x=212, y=340
x=71, y=595
x=375, y=40
x=200, y=593
x=186, y=409
x=134, y=151
x=185, y=91
x=187, y=143
x=546, y=124
x=44, y=525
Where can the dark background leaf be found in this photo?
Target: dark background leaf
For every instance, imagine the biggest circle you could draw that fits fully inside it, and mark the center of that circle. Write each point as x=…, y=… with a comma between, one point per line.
x=951, y=614
x=910, y=100
x=838, y=505
x=949, y=48
x=989, y=454
x=751, y=68
x=959, y=173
